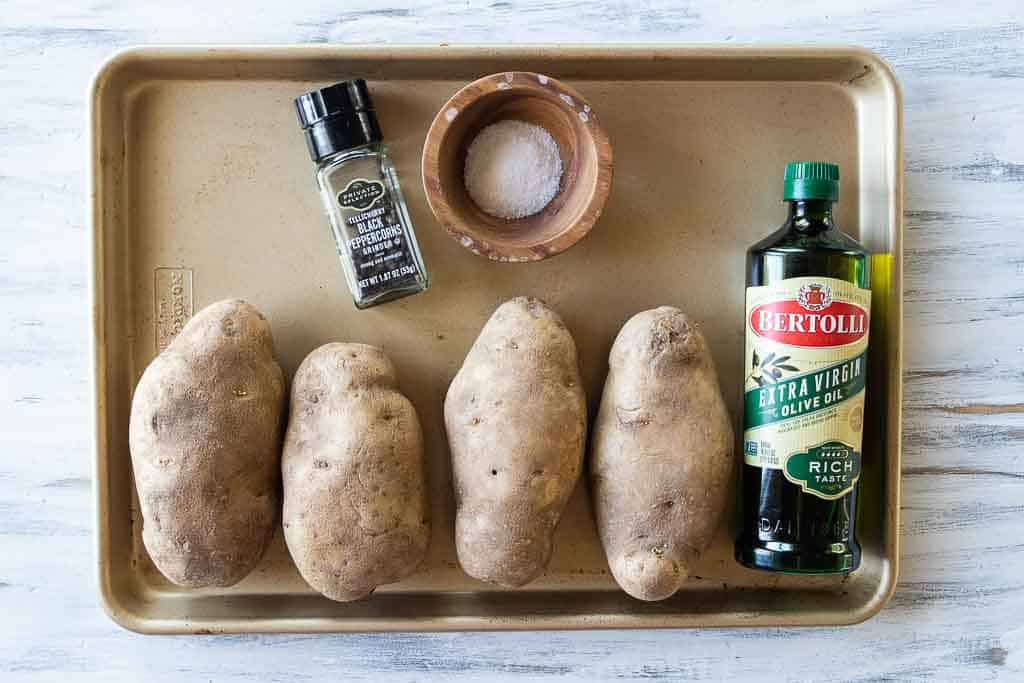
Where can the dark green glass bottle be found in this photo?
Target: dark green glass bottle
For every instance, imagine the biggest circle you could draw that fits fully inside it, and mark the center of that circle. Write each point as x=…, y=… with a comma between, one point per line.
x=808, y=304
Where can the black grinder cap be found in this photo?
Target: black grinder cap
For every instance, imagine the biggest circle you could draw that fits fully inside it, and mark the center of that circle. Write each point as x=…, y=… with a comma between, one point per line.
x=337, y=118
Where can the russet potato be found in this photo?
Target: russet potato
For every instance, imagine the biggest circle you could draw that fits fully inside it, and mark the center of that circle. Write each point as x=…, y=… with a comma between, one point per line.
x=356, y=508
x=516, y=420
x=662, y=453
x=205, y=441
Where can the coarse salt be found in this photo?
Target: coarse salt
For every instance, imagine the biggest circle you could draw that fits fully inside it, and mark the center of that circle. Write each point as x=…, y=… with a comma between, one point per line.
x=513, y=169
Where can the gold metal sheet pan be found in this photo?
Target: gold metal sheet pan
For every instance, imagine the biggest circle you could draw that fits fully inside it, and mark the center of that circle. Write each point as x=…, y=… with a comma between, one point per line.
x=202, y=189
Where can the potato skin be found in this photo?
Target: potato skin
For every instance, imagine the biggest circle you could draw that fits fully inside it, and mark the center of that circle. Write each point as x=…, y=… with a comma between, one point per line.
x=205, y=440
x=356, y=512
x=516, y=419
x=662, y=453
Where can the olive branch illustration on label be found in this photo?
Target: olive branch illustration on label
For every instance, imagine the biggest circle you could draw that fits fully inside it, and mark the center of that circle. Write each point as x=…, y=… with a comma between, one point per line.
x=769, y=369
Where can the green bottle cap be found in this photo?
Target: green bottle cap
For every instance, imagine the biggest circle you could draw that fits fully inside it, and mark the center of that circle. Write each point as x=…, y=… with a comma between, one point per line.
x=811, y=180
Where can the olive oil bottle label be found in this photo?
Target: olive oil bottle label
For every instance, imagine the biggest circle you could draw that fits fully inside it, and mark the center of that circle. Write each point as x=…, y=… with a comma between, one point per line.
x=806, y=353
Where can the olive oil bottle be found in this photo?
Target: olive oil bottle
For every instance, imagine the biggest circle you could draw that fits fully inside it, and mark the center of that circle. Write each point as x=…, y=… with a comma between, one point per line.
x=807, y=313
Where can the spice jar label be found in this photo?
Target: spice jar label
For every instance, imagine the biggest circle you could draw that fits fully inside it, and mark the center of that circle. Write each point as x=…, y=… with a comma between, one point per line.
x=376, y=238
x=806, y=354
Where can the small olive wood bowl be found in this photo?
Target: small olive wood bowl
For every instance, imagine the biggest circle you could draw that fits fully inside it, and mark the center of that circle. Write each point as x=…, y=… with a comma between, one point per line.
x=582, y=144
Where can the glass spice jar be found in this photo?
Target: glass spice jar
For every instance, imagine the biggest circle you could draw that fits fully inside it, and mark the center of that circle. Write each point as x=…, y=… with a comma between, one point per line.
x=369, y=220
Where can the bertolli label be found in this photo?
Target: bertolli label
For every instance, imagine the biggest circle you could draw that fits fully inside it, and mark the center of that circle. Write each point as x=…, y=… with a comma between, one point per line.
x=806, y=353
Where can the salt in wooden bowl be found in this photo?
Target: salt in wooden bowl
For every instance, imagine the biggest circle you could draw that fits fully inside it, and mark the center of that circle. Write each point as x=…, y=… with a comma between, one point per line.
x=583, y=146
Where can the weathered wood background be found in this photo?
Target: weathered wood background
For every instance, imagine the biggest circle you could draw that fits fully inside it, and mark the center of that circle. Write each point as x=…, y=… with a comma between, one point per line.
x=958, y=613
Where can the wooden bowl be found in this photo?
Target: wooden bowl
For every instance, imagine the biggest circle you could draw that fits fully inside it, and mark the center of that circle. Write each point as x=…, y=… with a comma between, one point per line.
x=582, y=144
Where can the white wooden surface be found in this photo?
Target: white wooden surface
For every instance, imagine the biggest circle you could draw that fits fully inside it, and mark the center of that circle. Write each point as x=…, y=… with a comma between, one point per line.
x=958, y=613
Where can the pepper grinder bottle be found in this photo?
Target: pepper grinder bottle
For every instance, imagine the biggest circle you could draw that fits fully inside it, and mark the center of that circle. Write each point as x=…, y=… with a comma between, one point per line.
x=807, y=319
x=359, y=187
